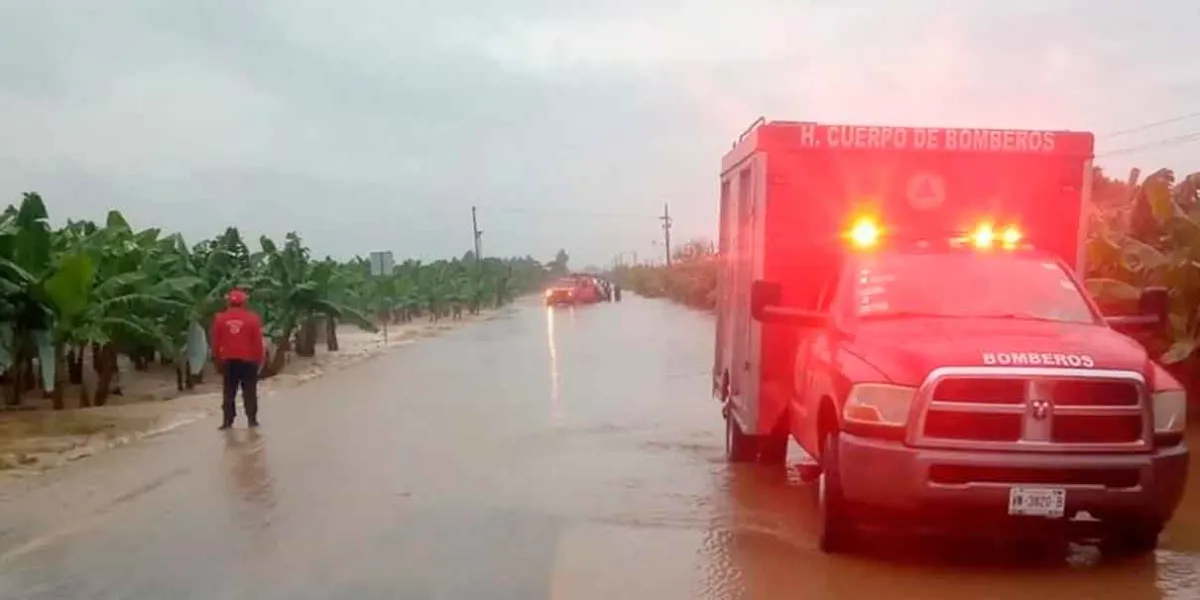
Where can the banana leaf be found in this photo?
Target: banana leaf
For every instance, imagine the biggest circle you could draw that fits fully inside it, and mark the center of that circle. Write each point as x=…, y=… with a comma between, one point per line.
x=196, y=350
x=45, y=353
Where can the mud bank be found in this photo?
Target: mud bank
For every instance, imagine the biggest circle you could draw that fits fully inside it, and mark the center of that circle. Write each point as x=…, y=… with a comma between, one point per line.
x=34, y=441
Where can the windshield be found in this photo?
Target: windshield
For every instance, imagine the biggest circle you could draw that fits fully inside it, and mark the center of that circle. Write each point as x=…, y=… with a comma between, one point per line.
x=1000, y=285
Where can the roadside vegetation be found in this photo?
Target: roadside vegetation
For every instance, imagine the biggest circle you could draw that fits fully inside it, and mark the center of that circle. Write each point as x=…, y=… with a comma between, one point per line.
x=1142, y=233
x=87, y=298
x=691, y=279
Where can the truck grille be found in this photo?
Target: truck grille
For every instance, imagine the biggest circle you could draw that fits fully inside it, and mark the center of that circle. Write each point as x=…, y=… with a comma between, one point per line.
x=1032, y=408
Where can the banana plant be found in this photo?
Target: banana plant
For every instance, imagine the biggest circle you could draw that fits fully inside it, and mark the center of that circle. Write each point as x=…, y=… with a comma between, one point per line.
x=111, y=289
x=26, y=261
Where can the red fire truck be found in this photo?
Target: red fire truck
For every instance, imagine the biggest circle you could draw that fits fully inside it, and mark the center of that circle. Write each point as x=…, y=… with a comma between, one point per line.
x=907, y=305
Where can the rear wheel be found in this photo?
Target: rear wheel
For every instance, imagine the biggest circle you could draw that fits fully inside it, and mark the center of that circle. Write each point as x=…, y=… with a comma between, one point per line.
x=1132, y=538
x=739, y=447
x=774, y=446
x=836, y=531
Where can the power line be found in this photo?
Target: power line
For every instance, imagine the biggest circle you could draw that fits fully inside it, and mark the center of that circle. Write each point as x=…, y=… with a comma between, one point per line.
x=560, y=212
x=1151, y=124
x=1162, y=143
x=549, y=212
x=454, y=209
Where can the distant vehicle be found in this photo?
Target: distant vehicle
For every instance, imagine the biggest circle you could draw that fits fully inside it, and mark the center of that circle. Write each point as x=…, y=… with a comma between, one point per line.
x=587, y=290
x=907, y=305
x=561, y=292
x=574, y=289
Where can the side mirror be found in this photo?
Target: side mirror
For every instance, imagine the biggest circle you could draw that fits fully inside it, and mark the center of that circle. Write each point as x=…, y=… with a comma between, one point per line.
x=762, y=295
x=765, y=297
x=1154, y=306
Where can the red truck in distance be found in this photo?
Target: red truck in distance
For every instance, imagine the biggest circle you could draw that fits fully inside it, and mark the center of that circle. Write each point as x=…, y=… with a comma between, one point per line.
x=907, y=305
x=572, y=290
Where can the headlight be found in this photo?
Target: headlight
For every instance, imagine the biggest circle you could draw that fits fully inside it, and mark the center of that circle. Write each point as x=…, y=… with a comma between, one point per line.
x=879, y=404
x=1170, y=411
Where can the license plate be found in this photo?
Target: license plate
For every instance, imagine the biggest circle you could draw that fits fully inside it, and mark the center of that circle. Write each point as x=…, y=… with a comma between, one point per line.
x=1037, y=502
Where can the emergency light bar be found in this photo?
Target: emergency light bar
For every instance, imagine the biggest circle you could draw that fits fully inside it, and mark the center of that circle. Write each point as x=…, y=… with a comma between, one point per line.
x=984, y=236
x=866, y=233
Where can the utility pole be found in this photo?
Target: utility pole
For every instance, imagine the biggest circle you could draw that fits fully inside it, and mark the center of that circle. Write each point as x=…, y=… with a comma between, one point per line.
x=478, y=235
x=666, y=219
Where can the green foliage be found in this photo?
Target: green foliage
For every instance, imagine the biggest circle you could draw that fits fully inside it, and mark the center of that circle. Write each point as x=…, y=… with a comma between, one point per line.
x=120, y=290
x=691, y=279
x=1148, y=234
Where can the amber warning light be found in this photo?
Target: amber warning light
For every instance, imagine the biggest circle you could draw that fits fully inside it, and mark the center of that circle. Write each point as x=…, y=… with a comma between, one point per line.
x=866, y=233
x=985, y=236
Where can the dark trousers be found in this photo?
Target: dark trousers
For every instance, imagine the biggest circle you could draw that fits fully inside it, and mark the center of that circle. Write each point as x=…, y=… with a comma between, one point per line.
x=243, y=374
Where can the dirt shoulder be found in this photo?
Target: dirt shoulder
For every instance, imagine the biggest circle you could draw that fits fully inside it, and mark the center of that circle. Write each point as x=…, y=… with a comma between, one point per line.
x=33, y=441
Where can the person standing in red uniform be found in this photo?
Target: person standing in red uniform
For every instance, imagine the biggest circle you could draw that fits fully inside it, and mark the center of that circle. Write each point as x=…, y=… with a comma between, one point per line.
x=237, y=346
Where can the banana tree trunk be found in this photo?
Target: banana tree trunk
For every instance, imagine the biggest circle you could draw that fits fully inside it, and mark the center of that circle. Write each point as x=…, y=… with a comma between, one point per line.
x=15, y=383
x=60, y=376
x=306, y=340
x=85, y=399
x=278, y=358
x=144, y=357
x=331, y=339
x=184, y=380
x=29, y=377
x=106, y=371
x=74, y=361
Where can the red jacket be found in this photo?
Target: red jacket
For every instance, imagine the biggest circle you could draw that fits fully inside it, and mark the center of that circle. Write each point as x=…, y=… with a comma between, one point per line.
x=237, y=335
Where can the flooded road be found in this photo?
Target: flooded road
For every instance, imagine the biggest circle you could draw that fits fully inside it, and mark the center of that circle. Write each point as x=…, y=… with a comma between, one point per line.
x=568, y=454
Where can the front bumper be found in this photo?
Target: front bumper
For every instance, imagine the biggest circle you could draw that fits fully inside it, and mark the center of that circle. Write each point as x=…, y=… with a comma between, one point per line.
x=891, y=477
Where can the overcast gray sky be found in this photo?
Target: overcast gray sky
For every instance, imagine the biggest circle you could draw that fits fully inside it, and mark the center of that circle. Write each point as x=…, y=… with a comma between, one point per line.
x=376, y=124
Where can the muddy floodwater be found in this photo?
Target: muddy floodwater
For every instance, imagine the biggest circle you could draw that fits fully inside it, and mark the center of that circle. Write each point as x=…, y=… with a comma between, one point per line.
x=573, y=453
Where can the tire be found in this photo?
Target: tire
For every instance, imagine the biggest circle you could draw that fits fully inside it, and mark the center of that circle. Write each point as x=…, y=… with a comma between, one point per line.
x=836, y=530
x=739, y=447
x=1132, y=538
x=773, y=447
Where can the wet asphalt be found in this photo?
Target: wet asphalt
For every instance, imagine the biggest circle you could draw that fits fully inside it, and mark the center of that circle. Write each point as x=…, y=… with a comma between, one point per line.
x=569, y=453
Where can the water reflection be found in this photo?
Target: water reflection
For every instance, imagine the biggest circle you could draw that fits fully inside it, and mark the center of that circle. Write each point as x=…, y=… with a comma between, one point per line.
x=244, y=465
x=556, y=407
x=763, y=546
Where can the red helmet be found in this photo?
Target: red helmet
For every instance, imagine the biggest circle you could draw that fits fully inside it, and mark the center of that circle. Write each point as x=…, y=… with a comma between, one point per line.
x=236, y=297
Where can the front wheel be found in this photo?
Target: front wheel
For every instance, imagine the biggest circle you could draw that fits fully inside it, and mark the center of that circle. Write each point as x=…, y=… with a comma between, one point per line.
x=739, y=447
x=836, y=530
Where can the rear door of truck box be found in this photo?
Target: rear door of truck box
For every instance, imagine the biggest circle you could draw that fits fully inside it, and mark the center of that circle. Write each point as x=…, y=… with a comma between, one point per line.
x=738, y=351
